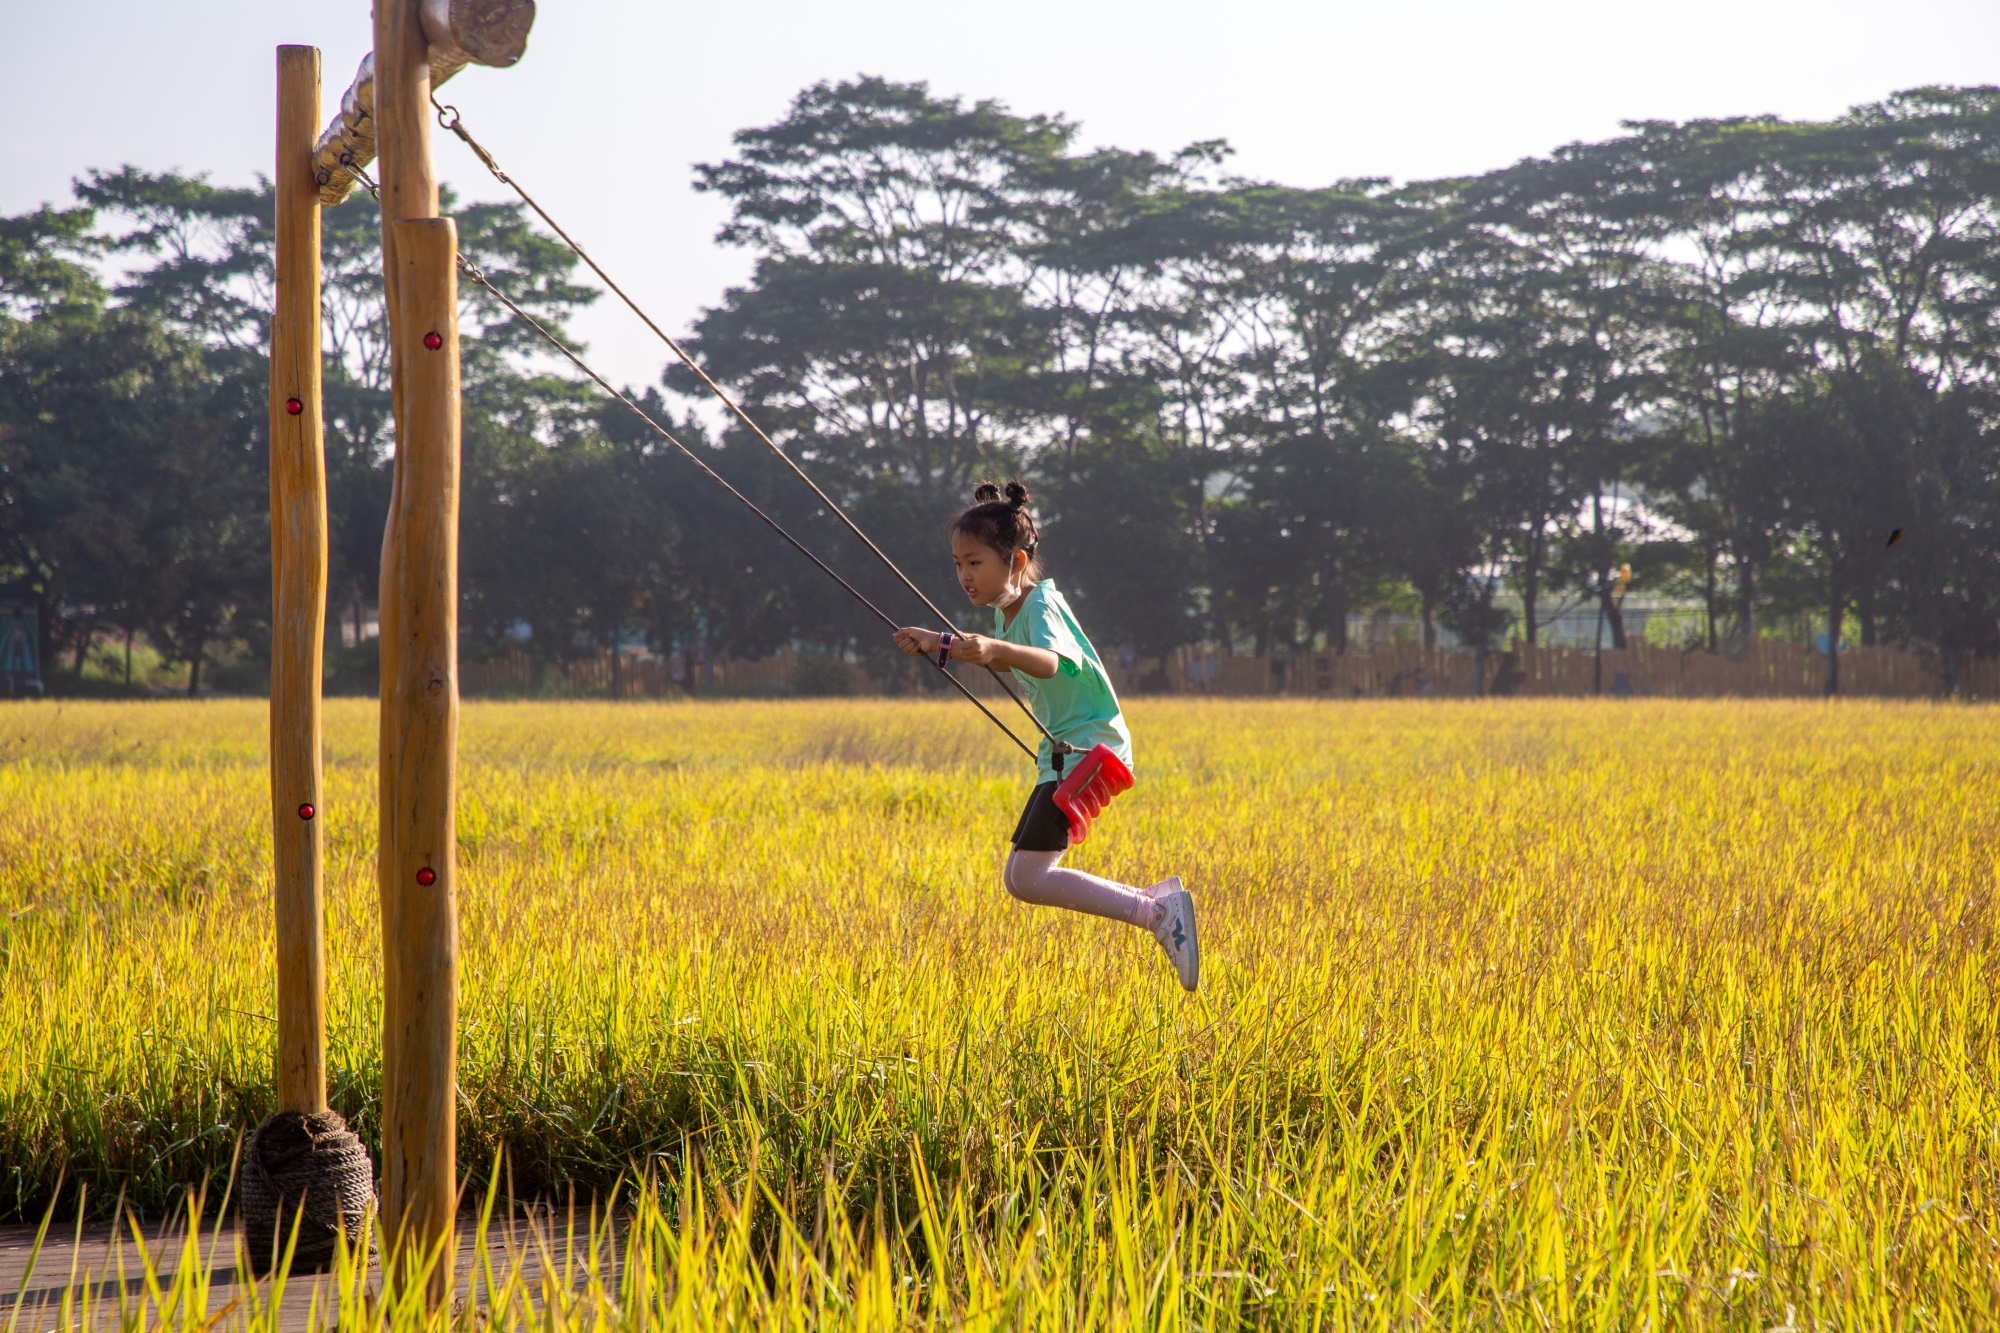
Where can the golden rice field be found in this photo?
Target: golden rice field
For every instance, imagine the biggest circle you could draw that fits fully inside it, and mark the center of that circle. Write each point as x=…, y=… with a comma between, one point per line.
x=1516, y=1014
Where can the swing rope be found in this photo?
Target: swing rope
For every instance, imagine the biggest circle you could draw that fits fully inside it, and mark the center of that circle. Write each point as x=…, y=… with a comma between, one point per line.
x=449, y=118
x=472, y=271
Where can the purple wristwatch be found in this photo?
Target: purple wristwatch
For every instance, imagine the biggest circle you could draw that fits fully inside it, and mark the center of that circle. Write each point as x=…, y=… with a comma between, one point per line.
x=944, y=649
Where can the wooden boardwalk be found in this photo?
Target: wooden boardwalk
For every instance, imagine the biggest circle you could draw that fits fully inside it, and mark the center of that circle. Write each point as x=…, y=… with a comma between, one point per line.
x=103, y=1264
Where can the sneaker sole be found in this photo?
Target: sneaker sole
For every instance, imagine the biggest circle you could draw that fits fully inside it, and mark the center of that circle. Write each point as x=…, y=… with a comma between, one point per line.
x=1189, y=983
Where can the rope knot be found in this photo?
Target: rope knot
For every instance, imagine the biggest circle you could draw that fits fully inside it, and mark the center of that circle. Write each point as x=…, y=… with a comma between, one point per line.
x=308, y=1166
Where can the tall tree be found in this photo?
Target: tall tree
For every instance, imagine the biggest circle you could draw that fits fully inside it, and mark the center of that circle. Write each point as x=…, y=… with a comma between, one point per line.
x=885, y=336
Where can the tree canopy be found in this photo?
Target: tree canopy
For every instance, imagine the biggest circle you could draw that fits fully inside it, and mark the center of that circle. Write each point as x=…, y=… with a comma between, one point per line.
x=1727, y=356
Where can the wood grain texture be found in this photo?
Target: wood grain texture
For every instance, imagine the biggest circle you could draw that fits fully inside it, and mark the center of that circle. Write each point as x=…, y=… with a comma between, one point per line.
x=298, y=594
x=420, y=939
x=409, y=190
x=419, y=922
x=484, y=32
x=403, y=112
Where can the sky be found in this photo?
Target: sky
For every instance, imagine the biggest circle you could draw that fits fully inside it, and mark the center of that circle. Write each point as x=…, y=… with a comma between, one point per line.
x=617, y=99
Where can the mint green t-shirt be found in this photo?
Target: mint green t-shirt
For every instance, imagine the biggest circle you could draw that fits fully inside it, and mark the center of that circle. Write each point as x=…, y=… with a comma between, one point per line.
x=1077, y=703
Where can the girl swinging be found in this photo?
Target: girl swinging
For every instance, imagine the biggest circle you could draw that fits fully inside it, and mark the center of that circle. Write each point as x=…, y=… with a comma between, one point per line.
x=1037, y=637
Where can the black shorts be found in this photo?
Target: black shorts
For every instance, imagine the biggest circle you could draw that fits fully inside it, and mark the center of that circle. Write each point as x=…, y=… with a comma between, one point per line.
x=1043, y=828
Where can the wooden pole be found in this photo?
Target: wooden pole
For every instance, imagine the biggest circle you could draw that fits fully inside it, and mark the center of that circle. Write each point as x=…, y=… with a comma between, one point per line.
x=419, y=1096
x=409, y=190
x=416, y=861
x=298, y=594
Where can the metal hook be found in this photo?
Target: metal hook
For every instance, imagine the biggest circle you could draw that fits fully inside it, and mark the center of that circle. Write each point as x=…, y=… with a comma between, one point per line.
x=444, y=124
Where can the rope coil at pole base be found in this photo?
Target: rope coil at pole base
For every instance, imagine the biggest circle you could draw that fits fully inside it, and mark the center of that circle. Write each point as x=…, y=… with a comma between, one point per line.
x=308, y=1167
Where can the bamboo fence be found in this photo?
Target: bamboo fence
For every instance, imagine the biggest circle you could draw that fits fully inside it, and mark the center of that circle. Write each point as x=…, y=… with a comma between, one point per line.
x=1766, y=670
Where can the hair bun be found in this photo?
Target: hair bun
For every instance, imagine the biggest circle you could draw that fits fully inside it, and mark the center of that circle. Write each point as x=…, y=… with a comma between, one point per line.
x=1005, y=524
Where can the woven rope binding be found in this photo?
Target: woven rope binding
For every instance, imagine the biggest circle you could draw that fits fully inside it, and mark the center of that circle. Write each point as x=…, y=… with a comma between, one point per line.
x=313, y=1158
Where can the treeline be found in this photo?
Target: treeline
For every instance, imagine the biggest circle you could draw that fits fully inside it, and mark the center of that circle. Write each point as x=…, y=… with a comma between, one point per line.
x=1749, y=362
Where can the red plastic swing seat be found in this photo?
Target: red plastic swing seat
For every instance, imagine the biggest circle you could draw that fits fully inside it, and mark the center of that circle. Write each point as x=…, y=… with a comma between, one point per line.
x=1082, y=796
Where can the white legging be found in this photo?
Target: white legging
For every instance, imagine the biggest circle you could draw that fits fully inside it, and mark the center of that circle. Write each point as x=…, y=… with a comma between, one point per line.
x=1036, y=877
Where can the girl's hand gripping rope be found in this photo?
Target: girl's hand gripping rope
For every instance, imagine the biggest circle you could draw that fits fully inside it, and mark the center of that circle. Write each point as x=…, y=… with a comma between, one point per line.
x=981, y=650
x=917, y=642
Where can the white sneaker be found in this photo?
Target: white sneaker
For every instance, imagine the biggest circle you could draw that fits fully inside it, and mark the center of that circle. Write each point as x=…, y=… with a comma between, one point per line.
x=1175, y=930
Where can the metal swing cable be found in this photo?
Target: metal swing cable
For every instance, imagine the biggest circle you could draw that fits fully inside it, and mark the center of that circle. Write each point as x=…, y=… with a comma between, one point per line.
x=454, y=122
x=472, y=271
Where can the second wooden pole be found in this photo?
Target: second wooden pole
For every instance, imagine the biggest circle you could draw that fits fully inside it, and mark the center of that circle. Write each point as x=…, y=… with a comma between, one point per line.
x=419, y=690
x=419, y=892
